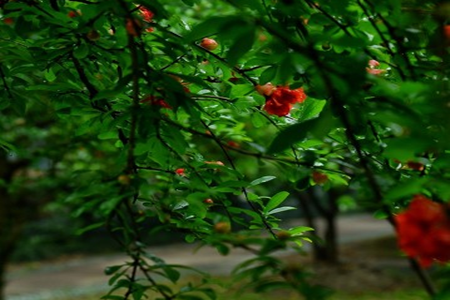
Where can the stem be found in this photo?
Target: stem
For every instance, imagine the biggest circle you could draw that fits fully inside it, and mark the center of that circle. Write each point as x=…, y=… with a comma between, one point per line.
x=134, y=106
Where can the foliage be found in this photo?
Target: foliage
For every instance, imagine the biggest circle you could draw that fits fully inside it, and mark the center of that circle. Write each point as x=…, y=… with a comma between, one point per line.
x=146, y=121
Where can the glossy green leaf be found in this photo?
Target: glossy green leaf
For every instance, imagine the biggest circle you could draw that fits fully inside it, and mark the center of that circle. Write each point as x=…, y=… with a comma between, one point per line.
x=261, y=180
x=298, y=132
x=241, y=45
x=276, y=200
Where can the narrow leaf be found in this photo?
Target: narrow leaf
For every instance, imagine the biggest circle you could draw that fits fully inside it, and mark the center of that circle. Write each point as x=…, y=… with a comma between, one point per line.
x=281, y=209
x=276, y=200
x=261, y=180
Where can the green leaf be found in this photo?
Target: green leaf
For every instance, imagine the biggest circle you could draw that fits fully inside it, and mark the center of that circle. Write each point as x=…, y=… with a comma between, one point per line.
x=311, y=108
x=299, y=230
x=258, y=120
x=268, y=74
x=240, y=90
x=7, y=146
x=172, y=274
x=112, y=269
x=242, y=44
x=404, y=149
x=189, y=2
x=223, y=249
x=49, y=75
x=406, y=189
x=81, y=51
x=89, y=228
x=276, y=200
x=380, y=214
x=281, y=209
x=108, y=135
x=261, y=180
x=19, y=103
x=210, y=27
x=317, y=127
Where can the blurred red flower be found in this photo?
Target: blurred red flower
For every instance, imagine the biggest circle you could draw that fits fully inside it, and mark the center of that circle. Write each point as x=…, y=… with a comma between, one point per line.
x=424, y=231
x=147, y=16
x=180, y=171
x=152, y=100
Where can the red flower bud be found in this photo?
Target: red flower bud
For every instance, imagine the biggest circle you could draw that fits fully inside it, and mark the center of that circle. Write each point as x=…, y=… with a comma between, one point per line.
x=209, y=44
x=180, y=171
x=208, y=201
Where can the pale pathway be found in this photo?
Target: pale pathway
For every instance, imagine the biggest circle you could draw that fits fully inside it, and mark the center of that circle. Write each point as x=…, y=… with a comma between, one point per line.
x=85, y=275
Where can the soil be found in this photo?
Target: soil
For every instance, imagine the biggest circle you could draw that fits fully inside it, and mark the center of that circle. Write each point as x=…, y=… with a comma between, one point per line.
x=375, y=265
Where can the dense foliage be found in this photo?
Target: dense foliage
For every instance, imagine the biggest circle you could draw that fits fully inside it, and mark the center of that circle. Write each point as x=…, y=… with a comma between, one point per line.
x=202, y=117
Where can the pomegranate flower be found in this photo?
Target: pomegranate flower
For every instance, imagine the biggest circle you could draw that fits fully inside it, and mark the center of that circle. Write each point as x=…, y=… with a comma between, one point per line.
x=373, y=64
x=180, y=172
x=281, y=99
x=423, y=231
x=147, y=15
x=152, y=100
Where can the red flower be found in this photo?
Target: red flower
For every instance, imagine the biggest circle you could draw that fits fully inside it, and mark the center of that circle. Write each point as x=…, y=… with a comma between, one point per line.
x=233, y=144
x=152, y=100
x=424, y=231
x=72, y=14
x=319, y=178
x=180, y=171
x=446, y=30
x=146, y=14
x=372, y=65
x=281, y=100
x=8, y=21
x=273, y=107
x=415, y=166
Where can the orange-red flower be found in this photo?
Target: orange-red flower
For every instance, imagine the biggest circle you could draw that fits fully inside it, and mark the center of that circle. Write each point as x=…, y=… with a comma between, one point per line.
x=152, y=100
x=424, y=231
x=147, y=16
x=274, y=107
x=281, y=99
x=180, y=171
